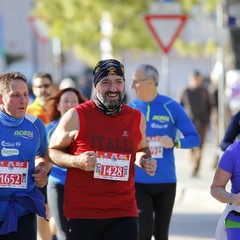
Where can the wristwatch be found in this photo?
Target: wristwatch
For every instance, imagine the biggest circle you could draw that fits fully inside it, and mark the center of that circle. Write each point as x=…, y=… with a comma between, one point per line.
x=175, y=141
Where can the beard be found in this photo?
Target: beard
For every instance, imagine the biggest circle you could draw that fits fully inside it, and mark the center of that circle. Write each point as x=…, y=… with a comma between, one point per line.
x=111, y=104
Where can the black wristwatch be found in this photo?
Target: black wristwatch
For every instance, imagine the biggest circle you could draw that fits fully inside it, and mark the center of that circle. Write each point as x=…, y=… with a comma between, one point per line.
x=175, y=141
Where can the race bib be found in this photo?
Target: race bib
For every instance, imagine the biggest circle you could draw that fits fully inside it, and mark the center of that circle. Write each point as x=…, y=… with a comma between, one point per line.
x=112, y=166
x=155, y=147
x=13, y=174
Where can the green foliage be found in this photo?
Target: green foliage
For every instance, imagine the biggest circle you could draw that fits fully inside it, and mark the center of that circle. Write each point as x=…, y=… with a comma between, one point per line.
x=210, y=6
x=194, y=49
x=188, y=4
x=77, y=24
x=207, y=5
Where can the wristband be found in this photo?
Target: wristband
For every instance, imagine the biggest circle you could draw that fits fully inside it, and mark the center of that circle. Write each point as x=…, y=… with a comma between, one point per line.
x=175, y=141
x=230, y=199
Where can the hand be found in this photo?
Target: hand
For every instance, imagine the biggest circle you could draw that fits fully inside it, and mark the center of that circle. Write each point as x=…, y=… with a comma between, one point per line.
x=86, y=161
x=149, y=165
x=40, y=176
x=166, y=141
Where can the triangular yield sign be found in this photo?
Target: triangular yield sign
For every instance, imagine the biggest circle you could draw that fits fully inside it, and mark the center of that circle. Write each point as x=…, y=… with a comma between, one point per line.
x=165, y=28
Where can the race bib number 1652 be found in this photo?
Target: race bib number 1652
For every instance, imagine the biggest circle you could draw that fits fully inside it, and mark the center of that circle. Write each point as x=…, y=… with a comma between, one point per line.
x=13, y=174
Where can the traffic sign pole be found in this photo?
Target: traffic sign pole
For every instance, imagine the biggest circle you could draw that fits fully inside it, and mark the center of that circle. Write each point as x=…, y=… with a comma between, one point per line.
x=165, y=74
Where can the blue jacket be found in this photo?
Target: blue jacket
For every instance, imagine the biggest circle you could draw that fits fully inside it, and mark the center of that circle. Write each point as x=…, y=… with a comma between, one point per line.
x=18, y=191
x=164, y=116
x=32, y=201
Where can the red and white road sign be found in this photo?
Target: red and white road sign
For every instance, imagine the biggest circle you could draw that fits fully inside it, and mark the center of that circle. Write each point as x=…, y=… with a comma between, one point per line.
x=165, y=28
x=39, y=28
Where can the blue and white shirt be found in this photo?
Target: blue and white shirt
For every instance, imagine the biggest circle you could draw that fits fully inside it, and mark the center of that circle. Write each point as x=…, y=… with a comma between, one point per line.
x=164, y=116
x=19, y=147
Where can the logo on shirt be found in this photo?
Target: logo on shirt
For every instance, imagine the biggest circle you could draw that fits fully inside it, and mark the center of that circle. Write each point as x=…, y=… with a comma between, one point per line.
x=161, y=119
x=154, y=125
x=125, y=134
x=23, y=134
x=7, y=152
x=10, y=144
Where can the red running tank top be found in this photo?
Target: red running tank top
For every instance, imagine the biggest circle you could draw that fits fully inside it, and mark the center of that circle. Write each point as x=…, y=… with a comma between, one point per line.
x=86, y=197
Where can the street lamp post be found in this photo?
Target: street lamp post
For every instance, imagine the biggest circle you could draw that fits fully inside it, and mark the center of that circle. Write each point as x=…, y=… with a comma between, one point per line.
x=221, y=80
x=57, y=61
x=106, y=28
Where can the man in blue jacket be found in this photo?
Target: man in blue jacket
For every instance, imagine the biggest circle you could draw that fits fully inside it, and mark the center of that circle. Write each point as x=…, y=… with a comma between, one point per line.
x=164, y=116
x=23, y=167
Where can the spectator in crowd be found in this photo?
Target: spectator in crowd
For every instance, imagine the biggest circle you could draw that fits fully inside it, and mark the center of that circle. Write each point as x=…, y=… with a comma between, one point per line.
x=99, y=142
x=196, y=101
x=42, y=87
x=55, y=107
x=24, y=142
x=164, y=116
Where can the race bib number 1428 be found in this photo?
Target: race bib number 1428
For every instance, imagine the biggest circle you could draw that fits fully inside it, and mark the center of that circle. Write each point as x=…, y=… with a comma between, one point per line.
x=112, y=166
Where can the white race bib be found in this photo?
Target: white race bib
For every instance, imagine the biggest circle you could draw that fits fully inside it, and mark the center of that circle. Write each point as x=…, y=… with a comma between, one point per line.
x=13, y=174
x=112, y=166
x=155, y=147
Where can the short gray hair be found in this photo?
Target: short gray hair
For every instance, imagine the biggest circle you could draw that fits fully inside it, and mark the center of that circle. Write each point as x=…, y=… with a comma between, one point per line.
x=7, y=77
x=150, y=72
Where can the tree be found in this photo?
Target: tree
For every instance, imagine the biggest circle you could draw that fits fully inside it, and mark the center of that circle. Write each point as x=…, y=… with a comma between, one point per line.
x=77, y=24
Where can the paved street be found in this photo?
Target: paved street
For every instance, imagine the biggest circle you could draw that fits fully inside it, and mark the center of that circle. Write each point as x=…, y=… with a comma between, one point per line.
x=195, y=213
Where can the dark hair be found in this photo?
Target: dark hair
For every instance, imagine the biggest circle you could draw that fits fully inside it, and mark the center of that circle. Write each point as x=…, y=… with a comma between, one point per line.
x=42, y=75
x=7, y=77
x=195, y=73
x=51, y=103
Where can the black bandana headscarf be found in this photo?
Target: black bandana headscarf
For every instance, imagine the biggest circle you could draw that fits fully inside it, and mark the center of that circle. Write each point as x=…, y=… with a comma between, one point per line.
x=105, y=68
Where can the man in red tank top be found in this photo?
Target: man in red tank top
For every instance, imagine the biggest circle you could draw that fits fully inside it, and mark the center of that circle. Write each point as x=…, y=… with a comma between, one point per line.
x=99, y=142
